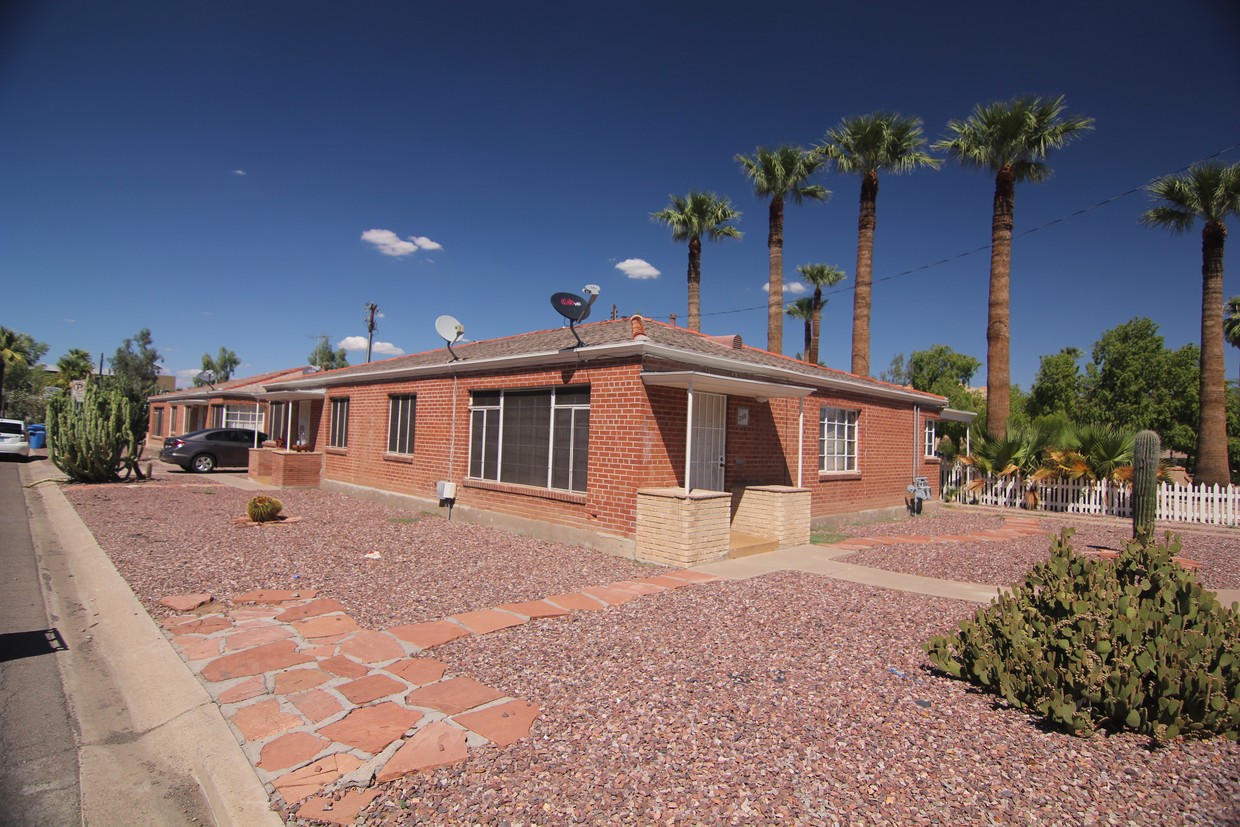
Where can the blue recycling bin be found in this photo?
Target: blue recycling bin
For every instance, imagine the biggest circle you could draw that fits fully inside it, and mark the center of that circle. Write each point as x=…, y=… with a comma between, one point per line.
x=37, y=435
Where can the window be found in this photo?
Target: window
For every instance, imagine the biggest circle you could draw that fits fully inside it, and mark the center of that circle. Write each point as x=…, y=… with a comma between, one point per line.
x=279, y=421
x=242, y=416
x=172, y=418
x=932, y=444
x=339, y=437
x=157, y=421
x=401, y=411
x=536, y=437
x=837, y=444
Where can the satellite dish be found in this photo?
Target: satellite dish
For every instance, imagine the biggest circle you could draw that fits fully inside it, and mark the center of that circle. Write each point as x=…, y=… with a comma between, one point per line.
x=207, y=377
x=571, y=306
x=451, y=331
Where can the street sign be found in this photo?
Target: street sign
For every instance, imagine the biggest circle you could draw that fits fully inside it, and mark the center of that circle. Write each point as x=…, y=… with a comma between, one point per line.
x=77, y=387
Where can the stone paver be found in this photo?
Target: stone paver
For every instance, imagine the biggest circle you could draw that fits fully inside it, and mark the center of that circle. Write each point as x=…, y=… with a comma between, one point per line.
x=321, y=606
x=372, y=728
x=487, y=620
x=297, y=680
x=417, y=671
x=203, y=625
x=370, y=688
x=612, y=597
x=268, y=658
x=185, y=602
x=275, y=595
x=372, y=647
x=453, y=695
x=578, y=602
x=534, y=608
x=429, y=634
x=344, y=667
x=291, y=750
x=343, y=810
x=316, y=704
x=263, y=719
x=312, y=778
x=196, y=648
x=503, y=724
x=331, y=627
x=435, y=745
x=248, y=638
x=243, y=691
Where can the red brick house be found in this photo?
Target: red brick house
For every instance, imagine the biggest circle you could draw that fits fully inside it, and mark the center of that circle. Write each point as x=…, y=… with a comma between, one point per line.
x=587, y=442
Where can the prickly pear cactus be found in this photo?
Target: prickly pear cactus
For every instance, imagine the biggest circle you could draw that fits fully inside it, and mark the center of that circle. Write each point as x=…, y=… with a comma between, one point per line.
x=1144, y=486
x=263, y=509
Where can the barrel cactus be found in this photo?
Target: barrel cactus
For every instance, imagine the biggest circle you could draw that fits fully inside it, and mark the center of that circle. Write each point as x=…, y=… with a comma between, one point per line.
x=263, y=509
x=1144, y=486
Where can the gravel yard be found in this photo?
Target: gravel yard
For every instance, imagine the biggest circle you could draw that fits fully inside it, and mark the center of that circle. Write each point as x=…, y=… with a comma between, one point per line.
x=786, y=699
x=1000, y=564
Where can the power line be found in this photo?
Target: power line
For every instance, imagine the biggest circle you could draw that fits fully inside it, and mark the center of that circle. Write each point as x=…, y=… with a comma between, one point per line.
x=986, y=247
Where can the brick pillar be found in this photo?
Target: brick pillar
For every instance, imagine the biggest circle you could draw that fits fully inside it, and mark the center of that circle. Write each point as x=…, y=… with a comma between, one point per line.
x=260, y=464
x=679, y=529
x=780, y=512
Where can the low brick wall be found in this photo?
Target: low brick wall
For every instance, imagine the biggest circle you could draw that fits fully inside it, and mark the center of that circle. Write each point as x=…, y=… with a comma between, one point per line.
x=260, y=465
x=780, y=512
x=682, y=529
x=296, y=469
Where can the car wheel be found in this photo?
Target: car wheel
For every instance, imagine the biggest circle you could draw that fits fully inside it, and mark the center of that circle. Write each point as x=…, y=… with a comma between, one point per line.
x=203, y=464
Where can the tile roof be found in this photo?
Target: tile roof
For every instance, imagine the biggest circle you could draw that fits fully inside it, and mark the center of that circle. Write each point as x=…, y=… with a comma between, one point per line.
x=745, y=360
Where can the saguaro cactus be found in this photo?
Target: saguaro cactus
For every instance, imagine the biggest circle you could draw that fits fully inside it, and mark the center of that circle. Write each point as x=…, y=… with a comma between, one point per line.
x=1144, y=486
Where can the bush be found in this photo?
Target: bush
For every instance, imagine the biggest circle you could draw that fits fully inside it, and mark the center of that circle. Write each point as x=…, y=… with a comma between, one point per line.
x=263, y=509
x=1085, y=643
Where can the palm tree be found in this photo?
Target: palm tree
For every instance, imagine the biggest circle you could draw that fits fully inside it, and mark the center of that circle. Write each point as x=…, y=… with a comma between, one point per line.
x=780, y=173
x=1011, y=139
x=691, y=217
x=866, y=145
x=804, y=309
x=1231, y=321
x=1210, y=192
x=75, y=364
x=819, y=275
x=15, y=349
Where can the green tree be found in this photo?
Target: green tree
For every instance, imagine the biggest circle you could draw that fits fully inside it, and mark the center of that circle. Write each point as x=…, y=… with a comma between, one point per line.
x=18, y=352
x=75, y=364
x=1057, y=387
x=135, y=368
x=221, y=367
x=804, y=309
x=327, y=359
x=689, y=218
x=1134, y=382
x=866, y=145
x=819, y=275
x=779, y=174
x=1210, y=192
x=940, y=368
x=896, y=373
x=1010, y=139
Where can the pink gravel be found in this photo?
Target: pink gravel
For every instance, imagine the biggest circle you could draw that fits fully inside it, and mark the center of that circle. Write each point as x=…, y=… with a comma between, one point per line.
x=1001, y=564
x=789, y=698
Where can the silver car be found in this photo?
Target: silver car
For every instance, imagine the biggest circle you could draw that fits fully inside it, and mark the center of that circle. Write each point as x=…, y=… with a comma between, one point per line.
x=211, y=448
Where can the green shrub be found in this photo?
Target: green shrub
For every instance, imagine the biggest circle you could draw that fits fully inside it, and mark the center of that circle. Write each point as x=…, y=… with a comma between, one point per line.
x=1134, y=645
x=263, y=509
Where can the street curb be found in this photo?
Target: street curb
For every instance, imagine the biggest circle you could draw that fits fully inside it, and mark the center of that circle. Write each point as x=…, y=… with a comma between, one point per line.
x=167, y=712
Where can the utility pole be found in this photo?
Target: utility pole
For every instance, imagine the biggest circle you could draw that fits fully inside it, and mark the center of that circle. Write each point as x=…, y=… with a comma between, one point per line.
x=372, y=310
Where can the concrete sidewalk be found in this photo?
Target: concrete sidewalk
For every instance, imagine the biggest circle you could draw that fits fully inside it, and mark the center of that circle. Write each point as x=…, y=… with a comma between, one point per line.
x=153, y=747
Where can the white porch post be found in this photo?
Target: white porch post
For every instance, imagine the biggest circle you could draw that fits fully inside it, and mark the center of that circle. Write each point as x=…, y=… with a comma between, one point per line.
x=689, y=436
x=256, y=410
x=800, y=441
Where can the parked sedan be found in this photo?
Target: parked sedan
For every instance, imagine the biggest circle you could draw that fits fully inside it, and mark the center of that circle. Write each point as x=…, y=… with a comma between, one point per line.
x=13, y=439
x=211, y=448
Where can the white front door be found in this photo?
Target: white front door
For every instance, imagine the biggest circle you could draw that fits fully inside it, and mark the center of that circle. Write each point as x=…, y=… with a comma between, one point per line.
x=707, y=453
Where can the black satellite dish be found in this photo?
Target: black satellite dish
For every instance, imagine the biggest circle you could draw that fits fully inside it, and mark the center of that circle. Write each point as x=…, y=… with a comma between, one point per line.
x=571, y=306
x=574, y=308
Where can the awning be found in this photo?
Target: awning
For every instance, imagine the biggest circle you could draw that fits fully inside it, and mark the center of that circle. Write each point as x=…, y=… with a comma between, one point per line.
x=953, y=415
x=713, y=383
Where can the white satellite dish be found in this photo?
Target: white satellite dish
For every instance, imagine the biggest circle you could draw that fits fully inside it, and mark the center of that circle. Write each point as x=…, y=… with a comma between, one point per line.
x=451, y=331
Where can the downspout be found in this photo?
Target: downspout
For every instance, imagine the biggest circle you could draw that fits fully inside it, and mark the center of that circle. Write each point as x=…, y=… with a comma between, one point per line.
x=916, y=421
x=689, y=435
x=452, y=438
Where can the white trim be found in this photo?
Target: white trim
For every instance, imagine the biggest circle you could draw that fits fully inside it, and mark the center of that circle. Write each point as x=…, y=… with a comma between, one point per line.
x=727, y=385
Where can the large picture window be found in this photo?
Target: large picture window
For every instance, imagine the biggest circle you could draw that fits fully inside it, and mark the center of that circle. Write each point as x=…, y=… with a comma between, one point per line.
x=531, y=437
x=242, y=416
x=339, y=435
x=401, y=411
x=837, y=443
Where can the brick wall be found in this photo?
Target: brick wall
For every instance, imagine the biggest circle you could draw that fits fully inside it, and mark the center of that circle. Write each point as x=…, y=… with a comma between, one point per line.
x=637, y=438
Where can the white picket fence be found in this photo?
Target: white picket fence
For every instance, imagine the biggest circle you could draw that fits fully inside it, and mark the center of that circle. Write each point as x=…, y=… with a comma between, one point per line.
x=1205, y=504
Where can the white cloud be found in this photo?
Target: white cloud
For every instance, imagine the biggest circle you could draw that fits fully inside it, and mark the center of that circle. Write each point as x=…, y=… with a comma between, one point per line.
x=789, y=287
x=636, y=268
x=358, y=343
x=239, y=172
x=425, y=243
x=390, y=244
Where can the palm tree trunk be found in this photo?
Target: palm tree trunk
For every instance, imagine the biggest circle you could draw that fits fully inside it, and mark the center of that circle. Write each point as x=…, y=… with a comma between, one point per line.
x=998, y=322
x=866, y=222
x=1212, y=428
x=775, y=299
x=809, y=337
x=815, y=337
x=695, y=284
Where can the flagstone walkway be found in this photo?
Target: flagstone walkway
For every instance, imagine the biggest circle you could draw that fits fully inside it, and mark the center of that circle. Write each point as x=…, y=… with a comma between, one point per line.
x=320, y=705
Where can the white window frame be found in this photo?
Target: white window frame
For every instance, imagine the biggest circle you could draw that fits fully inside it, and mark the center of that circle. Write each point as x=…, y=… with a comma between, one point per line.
x=157, y=427
x=932, y=442
x=481, y=429
x=402, y=413
x=338, y=432
x=243, y=416
x=838, y=434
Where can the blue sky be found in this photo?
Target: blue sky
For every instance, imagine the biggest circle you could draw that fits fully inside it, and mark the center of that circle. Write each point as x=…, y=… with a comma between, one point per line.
x=212, y=170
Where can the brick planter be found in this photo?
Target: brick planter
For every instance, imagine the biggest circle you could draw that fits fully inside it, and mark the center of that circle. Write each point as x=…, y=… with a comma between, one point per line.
x=780, y=512
x=683, y=529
